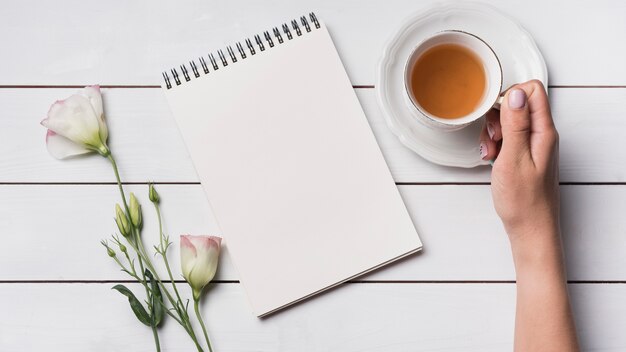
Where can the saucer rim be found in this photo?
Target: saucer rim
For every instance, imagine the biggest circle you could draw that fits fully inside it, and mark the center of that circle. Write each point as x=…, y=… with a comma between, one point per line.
x=435, y=10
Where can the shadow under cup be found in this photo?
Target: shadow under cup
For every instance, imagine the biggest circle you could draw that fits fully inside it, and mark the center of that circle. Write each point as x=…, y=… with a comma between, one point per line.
x=493, y=79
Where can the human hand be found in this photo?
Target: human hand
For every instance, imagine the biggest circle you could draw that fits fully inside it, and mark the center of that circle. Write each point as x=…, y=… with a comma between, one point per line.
x=524, y=179
x=525, y=189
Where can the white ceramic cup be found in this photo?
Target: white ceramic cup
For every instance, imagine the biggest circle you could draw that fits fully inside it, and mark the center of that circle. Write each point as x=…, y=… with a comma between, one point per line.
x=493, y=77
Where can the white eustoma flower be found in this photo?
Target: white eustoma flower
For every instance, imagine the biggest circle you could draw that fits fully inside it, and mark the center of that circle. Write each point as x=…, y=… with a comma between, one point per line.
x=76, y=125
x=198, y=257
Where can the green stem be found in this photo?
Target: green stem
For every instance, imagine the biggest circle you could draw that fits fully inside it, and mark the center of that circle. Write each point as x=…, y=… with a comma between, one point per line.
x=119, y=181
x=141, y=254
x=179, y=304
x=199, y=316
x=133, y=274
x=155, y=333
x=163, y=254
x=131, y=264
x=169, y=312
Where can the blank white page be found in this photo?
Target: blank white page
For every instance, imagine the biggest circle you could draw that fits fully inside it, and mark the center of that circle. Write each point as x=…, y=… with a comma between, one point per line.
x=292, y=170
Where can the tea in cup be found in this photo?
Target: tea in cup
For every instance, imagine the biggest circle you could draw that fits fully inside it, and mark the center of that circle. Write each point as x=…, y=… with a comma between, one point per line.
x=452, y=79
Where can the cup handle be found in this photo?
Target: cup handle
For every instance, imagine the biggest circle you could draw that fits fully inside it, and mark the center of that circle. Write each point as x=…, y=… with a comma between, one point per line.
x=500, y=99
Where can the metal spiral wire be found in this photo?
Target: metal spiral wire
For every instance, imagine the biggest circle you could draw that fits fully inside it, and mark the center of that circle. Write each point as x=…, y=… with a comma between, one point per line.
x=268, y=39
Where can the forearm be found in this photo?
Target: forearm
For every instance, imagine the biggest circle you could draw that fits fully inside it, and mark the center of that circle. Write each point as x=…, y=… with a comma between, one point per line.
x=543, y=319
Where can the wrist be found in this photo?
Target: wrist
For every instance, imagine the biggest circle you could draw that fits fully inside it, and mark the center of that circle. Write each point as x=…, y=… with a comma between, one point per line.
x=542, y=230
x=537, y=251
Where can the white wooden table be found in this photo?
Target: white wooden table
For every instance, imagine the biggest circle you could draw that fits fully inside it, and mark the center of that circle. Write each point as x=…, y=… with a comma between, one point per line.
x=458, y=295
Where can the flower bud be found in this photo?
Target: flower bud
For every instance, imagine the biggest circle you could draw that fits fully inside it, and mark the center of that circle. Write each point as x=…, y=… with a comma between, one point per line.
x=153, y=195
x=135, y=211
x=122, y=221
x=122, y=248
x=110, y=252
x=199, y=258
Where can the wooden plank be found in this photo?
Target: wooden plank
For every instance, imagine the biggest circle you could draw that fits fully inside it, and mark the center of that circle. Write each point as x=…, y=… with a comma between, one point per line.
x=53, y=232
x=148, y=146
x=143, y=136
x=353, y=317
x=129, y=43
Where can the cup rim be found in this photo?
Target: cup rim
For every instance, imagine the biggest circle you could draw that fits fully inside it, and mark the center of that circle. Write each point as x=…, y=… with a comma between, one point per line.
x=450, y=122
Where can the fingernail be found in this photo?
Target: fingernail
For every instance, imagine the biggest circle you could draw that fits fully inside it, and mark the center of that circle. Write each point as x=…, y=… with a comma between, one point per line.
x=490, y=130
x=517, y=99
x=483, y=150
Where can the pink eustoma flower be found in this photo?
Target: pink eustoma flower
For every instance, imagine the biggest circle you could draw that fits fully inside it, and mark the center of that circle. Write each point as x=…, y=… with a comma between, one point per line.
x=76, y=125
x=199, y=256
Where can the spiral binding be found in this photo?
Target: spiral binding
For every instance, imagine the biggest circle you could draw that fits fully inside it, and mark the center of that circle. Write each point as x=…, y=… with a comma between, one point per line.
x=267, y=41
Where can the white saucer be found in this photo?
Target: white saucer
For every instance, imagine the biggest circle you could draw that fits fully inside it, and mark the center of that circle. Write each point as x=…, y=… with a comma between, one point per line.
x=518, y=54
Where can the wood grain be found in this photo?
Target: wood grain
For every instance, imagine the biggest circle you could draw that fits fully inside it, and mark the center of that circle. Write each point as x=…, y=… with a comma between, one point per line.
x=131, y=42
x=353, y=317
x=145, y=139
x=53, y=214
x=53, y=232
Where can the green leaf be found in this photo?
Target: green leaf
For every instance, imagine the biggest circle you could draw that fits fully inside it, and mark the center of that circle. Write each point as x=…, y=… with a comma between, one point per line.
x=135, y=305
x=156, y=299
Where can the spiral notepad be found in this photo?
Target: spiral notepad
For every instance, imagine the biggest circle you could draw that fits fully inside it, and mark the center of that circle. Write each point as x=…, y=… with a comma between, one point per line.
x=289, y=164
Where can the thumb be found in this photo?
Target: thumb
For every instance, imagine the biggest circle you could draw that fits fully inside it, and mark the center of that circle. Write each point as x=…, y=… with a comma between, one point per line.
x=515, y=122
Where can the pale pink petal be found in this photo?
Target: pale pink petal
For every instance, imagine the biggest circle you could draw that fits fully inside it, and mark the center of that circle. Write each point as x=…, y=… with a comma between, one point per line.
x=207, y=259
x=74, y=119
x=95, y=99
x=205, y=263
x=188, y=254
x=217, y=240
x=61, y=147
x=57, y=104
x=206, y=242
x=186, y=243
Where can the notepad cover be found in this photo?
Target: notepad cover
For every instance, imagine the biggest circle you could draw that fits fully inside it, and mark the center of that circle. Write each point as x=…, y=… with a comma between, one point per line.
x=292, y=171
